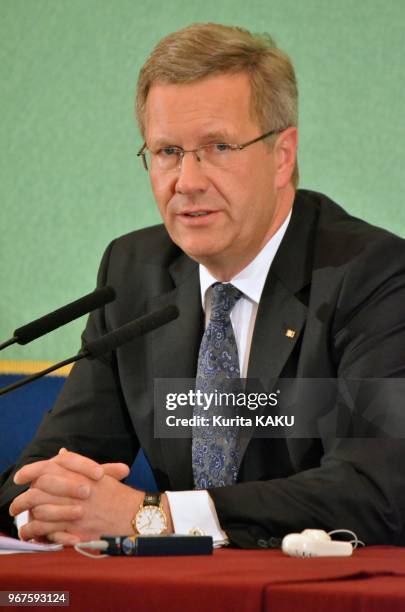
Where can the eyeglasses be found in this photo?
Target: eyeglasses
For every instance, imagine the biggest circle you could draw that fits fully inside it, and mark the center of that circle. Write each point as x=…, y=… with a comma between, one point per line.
x=217, y=155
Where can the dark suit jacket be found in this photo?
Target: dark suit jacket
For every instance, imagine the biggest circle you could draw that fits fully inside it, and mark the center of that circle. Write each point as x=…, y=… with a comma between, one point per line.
x=340, y=284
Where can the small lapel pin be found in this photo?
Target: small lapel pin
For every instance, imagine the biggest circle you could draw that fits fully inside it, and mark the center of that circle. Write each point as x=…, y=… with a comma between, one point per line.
x=290, y=333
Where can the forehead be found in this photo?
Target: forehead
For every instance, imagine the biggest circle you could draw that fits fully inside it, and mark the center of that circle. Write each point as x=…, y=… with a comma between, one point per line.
x=219, y=103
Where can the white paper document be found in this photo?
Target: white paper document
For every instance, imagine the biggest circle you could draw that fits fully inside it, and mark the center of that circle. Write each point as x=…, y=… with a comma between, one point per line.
x=12, y=545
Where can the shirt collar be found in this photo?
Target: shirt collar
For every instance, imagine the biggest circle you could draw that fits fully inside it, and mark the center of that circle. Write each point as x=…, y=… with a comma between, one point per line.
x=250, y=281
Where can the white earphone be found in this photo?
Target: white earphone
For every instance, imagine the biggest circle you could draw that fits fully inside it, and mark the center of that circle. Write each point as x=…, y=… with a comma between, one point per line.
x=318, y=543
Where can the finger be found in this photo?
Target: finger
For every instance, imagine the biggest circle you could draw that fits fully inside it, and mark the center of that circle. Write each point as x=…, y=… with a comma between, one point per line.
x=56, y=513
x=29, y=472
x=64, y=538
x=61, y=486
x=35, y=497
x=79, y=464
x=36, y=529
x=116, y=470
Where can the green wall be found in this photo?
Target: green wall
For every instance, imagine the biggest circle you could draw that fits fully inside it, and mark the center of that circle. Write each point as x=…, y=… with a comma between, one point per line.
x=70, y=179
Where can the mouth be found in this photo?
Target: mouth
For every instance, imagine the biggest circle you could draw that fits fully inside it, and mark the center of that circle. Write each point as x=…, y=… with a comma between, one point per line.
x=198, y=217
x=197, y=213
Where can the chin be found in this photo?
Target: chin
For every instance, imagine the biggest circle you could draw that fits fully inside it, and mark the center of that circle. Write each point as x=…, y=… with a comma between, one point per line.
x=200, y=256
x=198, y=250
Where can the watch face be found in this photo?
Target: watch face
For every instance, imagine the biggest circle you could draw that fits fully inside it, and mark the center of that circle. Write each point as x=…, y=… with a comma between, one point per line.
x=150, y=520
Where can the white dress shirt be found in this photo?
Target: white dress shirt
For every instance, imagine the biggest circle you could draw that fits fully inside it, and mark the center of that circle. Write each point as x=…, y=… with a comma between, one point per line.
x=195, y=510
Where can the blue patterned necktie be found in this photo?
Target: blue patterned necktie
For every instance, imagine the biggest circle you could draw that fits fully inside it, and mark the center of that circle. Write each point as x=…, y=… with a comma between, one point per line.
x=215, y=449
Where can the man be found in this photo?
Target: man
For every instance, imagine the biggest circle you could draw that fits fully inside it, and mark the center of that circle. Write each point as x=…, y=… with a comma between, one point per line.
x=312, y=299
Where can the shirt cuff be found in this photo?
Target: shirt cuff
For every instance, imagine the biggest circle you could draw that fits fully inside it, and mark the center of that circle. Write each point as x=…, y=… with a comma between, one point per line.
x=194, y=512
x=21, y=519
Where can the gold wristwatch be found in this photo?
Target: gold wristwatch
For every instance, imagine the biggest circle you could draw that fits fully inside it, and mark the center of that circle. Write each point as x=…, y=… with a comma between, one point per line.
x=150, y=518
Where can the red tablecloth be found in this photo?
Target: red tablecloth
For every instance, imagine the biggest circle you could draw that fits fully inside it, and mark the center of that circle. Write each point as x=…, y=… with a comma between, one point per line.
x=238, y=580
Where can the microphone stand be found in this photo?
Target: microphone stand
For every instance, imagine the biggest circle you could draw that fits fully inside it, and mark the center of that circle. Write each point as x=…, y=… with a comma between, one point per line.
x=28, y=379
x=7, y=343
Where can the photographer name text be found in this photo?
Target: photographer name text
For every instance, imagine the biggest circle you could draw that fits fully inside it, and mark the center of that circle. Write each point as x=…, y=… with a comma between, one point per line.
x=237, y=421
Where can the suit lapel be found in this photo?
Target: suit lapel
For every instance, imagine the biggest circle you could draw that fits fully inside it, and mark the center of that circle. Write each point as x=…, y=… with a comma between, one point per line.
x=174, y=351
x=280, y=319
x=279, y=323
x=282, y=310
x=282, y=313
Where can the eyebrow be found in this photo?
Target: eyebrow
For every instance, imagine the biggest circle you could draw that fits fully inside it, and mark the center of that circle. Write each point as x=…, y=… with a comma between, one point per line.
x=217, y=136
x=211, y=136
x=164, y=142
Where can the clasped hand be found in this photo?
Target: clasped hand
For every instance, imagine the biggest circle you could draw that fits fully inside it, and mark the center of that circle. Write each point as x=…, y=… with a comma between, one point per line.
x=72, y=498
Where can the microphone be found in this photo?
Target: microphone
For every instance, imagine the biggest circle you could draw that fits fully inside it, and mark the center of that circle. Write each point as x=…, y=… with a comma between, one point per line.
x=61, y=316
x=131, y=330
x=108, y=342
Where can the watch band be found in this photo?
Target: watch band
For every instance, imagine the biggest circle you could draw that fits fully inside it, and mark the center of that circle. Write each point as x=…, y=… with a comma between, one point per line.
x=151, y=499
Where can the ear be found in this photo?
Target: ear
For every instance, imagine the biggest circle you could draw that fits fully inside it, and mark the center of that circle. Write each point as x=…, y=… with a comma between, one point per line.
x=285, y=155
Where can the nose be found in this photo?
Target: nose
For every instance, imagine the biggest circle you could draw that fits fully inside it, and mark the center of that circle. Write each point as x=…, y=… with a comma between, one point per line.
x=191, y=176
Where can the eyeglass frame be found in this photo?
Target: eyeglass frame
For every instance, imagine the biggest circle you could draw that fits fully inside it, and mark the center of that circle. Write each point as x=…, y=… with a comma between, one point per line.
x=233, y=147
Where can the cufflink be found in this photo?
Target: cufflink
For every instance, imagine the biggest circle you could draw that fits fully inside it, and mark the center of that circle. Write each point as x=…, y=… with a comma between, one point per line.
x=290, y=333
x=196, y=531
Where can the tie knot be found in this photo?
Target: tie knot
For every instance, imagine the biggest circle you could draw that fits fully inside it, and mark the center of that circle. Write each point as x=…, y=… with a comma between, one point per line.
x=223, y=298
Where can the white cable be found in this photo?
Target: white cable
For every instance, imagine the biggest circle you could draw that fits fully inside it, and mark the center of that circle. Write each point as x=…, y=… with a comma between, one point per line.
x=93, y=545
x=355, y=542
